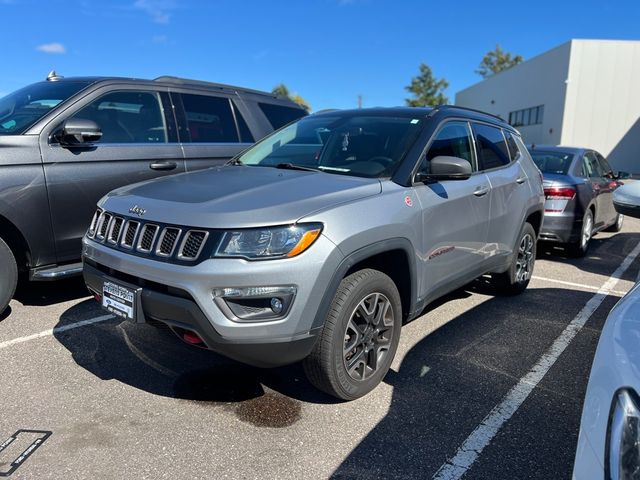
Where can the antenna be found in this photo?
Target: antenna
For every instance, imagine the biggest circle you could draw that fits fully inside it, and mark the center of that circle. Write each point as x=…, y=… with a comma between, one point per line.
x=53, y=76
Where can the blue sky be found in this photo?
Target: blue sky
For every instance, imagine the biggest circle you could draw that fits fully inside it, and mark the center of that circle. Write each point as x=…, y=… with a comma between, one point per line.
x=328, y=51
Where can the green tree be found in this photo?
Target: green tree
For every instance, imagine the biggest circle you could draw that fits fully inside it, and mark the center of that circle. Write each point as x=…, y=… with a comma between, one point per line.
x=497, y=61
x=426, y=89
x=283, y=90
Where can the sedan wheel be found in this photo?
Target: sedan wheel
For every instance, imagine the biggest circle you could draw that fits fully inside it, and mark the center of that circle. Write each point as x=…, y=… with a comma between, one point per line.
x=580, y=248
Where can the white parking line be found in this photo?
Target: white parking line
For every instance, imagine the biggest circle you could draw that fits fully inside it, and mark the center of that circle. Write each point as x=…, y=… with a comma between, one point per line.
x=51, y=331
x=572, y=284
x=484, y=433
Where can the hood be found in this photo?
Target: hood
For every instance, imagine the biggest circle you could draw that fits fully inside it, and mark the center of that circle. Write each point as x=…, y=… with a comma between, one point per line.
x=234, y=197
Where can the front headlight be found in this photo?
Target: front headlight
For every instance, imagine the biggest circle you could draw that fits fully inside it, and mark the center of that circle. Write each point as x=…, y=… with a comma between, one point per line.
x=271, y=242
x=624, y=438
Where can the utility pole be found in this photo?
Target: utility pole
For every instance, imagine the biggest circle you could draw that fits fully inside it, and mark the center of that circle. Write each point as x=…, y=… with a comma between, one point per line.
x=359, y=101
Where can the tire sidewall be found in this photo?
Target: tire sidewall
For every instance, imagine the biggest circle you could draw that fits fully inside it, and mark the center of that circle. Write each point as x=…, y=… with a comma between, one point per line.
x=9, y=280
x=380, y=283
x=519, y=286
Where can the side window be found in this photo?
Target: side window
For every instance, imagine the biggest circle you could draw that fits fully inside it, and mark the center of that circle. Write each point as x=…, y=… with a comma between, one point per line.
x=279, y=116
x=514, y=153
x=604, y=166
x=127, y=117
x=243, y=128
x=492, y=147
x=452, y=140
x=591, y=167
x=209, y=119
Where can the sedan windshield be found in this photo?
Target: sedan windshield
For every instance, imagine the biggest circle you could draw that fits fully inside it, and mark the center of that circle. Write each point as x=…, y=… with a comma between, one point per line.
x=22, y=108
x=552, y=162
x=363, y=146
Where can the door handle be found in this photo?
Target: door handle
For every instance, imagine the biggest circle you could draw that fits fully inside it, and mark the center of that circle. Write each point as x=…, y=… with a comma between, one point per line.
x=521, y=180
x=162, y=165
x=480, y=191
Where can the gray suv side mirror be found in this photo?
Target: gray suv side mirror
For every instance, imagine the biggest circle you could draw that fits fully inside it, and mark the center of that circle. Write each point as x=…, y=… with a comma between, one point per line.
x=79, y=132
x=446, y=168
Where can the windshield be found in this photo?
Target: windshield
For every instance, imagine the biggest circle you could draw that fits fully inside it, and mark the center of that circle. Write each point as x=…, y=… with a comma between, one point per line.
x=362, y=146
x=552, y=162
x=22, y=108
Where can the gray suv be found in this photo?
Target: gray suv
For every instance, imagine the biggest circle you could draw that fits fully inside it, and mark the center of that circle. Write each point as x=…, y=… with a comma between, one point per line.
x=65, y=142
x=321, y=240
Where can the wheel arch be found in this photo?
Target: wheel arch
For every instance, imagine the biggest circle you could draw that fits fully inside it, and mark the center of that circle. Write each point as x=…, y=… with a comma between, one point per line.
x=16, y=241
x=395, y=257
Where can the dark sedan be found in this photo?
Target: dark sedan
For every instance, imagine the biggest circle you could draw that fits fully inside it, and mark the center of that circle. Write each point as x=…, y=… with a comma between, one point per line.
x=578, y=186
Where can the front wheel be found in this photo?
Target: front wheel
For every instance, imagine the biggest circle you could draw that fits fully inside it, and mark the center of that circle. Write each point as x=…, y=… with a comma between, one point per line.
x=9, y=276
x=516, y=279
x=360, y=336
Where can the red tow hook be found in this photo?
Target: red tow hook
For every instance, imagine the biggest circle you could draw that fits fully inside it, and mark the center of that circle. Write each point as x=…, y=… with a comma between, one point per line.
x=192, y=338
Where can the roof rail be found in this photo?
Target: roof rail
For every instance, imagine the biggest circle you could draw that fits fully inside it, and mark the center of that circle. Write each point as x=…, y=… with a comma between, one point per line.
x=202, y=83
x=447, y=107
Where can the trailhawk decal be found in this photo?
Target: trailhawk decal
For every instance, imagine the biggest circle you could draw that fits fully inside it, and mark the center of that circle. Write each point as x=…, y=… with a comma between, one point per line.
x=441, y=251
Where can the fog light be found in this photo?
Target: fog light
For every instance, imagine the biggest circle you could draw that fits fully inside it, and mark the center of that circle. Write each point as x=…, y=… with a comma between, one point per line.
x=254, y=304
x=276, y=306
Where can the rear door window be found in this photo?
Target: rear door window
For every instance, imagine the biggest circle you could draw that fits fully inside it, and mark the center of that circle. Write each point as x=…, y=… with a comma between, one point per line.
x=279, y=115
x=128, y=117
x=492, y=147
x=209, y=119
x=604, y=165
x=514, y=153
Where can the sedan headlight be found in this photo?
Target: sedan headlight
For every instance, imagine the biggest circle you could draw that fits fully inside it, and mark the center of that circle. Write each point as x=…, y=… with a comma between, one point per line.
x=271, y=242
x=624, y=438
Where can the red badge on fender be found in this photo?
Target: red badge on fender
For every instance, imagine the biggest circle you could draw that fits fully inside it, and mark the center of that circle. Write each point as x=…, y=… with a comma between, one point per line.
x=408, y=201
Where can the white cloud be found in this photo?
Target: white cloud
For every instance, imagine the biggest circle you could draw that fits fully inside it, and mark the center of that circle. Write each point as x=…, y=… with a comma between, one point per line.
x=54, y=48
x=158, y=10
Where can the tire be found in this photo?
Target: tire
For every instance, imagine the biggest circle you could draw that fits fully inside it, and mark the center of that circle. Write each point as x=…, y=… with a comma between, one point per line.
x=617, y=225
x=366, y=313
x=516, y=279
x=9, y=278
x=581, y=247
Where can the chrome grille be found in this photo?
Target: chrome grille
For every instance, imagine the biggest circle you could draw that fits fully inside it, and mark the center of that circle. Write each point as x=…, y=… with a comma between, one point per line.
x=115, y=230
x=192, y=244
x=147, y=238
x=103, y=225
x=167, y=241
x=130, y=234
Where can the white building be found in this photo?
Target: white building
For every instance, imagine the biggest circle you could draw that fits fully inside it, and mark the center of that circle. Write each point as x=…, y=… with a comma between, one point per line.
x=583, y=93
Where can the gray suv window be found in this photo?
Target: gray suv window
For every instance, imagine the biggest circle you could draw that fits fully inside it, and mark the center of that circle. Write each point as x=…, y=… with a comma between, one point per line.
x=452, y=140
x=209, y=119
x=128, y=117
x=279, y=116
x=492, y=147
x=514, y=153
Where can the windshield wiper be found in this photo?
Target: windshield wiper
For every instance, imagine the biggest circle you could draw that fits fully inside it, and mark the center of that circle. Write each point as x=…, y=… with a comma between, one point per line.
x=292, y=166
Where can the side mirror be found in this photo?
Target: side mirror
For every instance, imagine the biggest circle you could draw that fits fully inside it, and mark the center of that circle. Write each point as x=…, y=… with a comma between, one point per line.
x=78, y=132
x=622, y=175
x=446, y=168
x=626, y=199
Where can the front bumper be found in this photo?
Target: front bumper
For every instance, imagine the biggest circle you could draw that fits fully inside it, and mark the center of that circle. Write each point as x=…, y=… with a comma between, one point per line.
x=560, y=228
x=181, y=297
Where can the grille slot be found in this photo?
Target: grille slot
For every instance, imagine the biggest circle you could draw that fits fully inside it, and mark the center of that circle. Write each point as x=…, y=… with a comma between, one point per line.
x=167, y=241
x=94, y=223
x=192, y=244
x=130, y=233
x=147, y=238
x=115, y=230
x=103, y=225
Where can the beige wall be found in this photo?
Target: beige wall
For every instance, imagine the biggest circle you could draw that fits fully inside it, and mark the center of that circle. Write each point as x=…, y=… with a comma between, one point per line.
x=602, y=106
x=538, y=81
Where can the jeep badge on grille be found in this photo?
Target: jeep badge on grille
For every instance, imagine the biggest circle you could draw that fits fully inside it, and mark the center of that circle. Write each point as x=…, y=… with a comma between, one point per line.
x=136, y=210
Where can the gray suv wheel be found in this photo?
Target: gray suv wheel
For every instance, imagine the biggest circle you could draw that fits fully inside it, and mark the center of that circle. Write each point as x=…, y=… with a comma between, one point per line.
x=360, y=336
x=516, y=279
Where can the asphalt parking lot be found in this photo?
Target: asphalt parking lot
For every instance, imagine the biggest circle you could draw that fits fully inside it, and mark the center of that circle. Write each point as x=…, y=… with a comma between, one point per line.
x=126, y=401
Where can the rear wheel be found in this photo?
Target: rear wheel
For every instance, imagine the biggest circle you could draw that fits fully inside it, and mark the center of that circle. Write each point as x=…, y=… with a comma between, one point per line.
x=581, y=247
x=516, y=279
x=9, y=276
x=359, y=338
x=617, y=226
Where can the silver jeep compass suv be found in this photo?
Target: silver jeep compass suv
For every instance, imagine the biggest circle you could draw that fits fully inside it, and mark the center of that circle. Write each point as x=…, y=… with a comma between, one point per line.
x=317, y=243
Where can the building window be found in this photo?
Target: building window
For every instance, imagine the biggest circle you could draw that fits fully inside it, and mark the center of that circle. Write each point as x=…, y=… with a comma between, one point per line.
x=526, y=116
